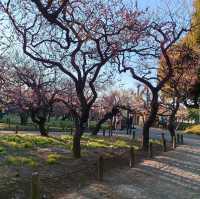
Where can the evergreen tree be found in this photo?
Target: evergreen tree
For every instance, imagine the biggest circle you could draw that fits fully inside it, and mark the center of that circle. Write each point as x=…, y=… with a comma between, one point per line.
x=193, y=38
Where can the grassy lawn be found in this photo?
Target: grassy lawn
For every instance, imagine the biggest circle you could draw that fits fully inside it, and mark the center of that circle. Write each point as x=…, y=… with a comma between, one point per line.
x=22, y=154
x=195, y=129
x=51, y=157
x=15, y=148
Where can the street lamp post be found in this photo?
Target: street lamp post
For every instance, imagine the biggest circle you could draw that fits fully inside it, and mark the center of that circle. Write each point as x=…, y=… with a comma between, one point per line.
x=199, y=108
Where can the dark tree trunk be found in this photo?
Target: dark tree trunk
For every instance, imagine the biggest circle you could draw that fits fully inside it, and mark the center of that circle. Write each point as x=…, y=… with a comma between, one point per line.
x=145, y=136
x=77, y=143
x=43, y=130
x=171, y=122
x=127, y=123
x=23, y=118
x=98, y=126
x=40, y=121
x=49, y=118
x=149, y=122
x=64, y=117
x=80, y=125
x=106, y=117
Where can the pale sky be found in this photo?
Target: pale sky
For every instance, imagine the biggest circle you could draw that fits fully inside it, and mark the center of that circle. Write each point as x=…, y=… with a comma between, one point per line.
x=155, y=6
x=184, y=7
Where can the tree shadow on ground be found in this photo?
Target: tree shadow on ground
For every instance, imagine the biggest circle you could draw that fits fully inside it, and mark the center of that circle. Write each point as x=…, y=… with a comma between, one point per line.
x=175, y=174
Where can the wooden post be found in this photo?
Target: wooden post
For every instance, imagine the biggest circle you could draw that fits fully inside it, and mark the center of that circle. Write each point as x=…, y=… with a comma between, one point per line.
x=130, y=130
x=178, y=138
x=35, y=193
x=163, y=136
x=150, y=150
x=16, y=129
x=71, y=130
x=100, y=168
x=132, y=157
x=103, y=132
x=133, y=134
x=164, y=142
x=127, y=130
x=164, y=146
x=182, y=142
x=9, y=123
x=174, y=142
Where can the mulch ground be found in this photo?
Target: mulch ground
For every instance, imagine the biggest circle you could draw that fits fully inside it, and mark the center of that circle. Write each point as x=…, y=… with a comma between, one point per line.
x=66, y=176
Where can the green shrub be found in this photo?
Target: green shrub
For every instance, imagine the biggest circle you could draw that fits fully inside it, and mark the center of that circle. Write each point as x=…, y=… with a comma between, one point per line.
x=2, y=151
x=53, y=158
x=20, y=161
x=184, y=126
x=195, y=129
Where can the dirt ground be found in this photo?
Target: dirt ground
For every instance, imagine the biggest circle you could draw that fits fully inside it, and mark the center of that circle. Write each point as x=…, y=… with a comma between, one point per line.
x=59, y=172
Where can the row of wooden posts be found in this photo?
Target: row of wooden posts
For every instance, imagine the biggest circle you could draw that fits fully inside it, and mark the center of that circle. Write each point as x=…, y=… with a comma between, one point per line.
x=175, y=140
x=35, y=191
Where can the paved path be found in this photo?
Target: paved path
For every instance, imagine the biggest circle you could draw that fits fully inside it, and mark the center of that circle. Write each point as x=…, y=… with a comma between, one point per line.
x=172, y=175
x=155, y=133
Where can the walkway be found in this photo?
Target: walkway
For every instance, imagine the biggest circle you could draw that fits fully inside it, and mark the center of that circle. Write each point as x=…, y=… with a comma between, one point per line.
x=172, y=175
